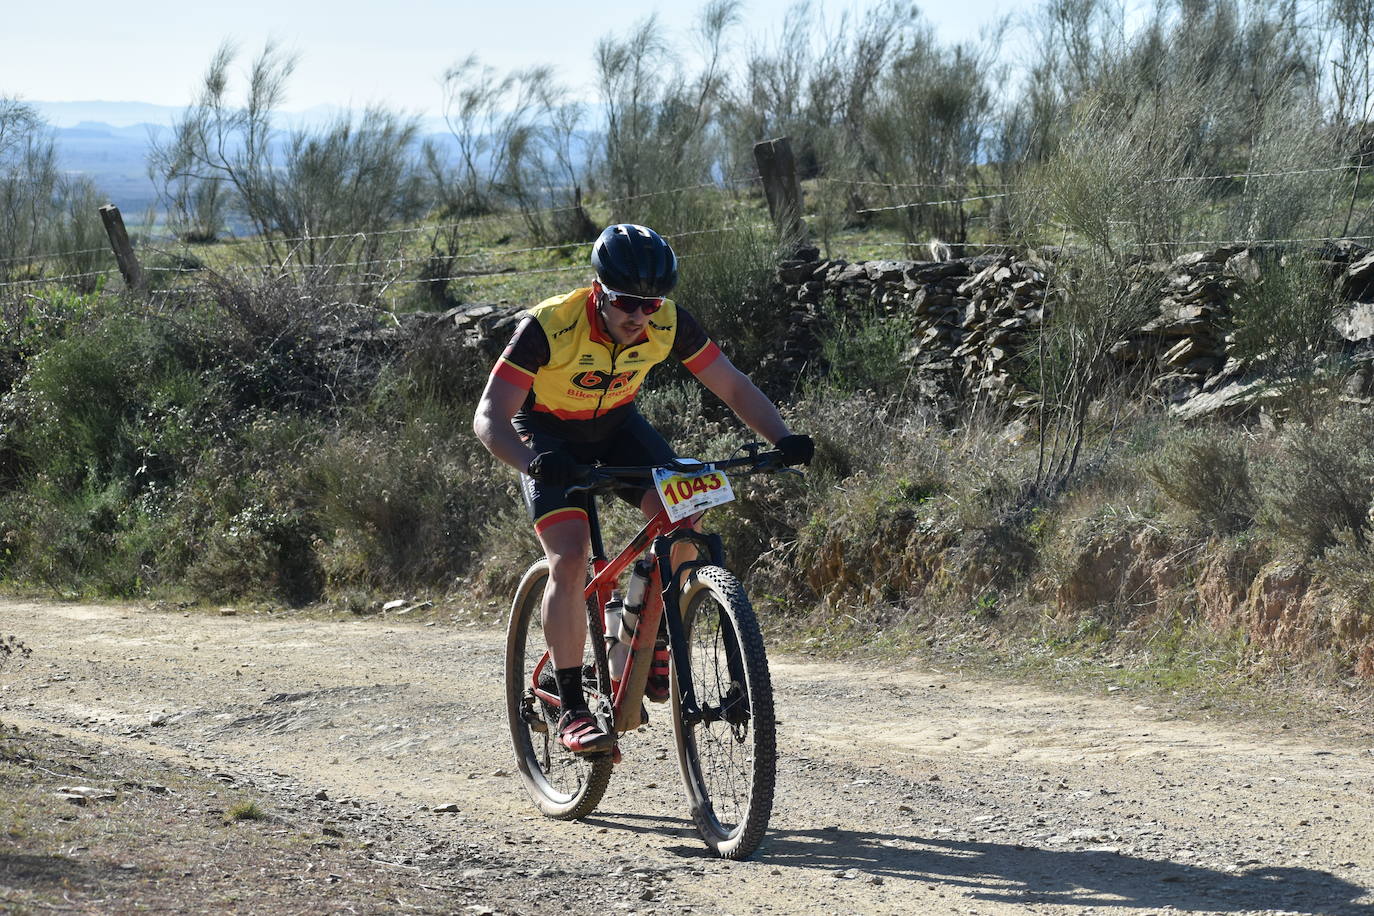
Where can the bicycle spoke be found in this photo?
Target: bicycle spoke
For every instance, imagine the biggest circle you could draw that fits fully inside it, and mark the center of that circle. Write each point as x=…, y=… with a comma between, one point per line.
x=728, y=755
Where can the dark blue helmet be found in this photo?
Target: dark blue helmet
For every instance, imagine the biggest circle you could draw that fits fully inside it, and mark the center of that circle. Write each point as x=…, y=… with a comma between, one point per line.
x=636, y=260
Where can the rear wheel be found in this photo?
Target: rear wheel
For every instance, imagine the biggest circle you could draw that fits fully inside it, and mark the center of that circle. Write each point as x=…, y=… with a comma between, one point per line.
x=728, y=757
x=563, y=785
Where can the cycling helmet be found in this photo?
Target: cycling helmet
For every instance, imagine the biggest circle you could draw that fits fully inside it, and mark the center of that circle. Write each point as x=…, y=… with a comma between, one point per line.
x=636, y=260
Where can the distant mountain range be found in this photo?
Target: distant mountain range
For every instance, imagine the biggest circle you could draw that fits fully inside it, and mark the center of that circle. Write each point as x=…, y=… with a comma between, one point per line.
x=115, y=158
x=109, y=143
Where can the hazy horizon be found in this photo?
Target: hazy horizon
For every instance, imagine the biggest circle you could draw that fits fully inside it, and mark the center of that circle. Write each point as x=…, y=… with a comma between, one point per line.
x=349, y=56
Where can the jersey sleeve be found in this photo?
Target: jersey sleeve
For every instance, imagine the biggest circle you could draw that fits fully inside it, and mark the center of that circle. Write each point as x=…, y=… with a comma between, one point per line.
x=527, y=352
x=691, y=345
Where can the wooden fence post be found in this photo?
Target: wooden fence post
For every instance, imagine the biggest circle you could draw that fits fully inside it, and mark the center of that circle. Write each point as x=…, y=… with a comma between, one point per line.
x=780, y=185
x=123, y=251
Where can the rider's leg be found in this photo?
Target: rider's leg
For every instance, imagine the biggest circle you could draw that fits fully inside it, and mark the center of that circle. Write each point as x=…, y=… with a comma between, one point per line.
x=567, y=544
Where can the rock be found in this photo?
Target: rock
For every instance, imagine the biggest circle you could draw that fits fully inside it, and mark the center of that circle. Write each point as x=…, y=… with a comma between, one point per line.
x=1133, y=349
x=1358, y=278
x=794, y=272
x=1342, y=252
x=1357, y=325
x=886, y=271
x=1243, y=266
x=1233, y=399
x=450, y=808
x=843, y=273
x=228, y=612
x=1187, y=349
x=80, y=795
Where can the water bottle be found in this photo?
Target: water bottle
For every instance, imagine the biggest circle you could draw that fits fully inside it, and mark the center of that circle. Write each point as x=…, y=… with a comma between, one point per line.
x=617, y=650
x=639, y=582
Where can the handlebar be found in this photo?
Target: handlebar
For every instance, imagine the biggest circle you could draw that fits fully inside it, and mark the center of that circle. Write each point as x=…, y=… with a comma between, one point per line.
x=757, y=461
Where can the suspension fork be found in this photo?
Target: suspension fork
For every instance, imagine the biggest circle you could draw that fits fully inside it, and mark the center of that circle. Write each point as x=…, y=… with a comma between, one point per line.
x=690, y=709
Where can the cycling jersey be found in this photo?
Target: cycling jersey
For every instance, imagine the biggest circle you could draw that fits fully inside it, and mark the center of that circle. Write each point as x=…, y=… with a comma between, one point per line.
x=582, y=384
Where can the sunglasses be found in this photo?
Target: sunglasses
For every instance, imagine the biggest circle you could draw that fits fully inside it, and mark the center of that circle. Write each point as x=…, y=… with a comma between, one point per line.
x=630, y=304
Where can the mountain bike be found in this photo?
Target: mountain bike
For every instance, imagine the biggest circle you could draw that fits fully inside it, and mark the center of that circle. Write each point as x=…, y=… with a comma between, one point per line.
x=719, y=687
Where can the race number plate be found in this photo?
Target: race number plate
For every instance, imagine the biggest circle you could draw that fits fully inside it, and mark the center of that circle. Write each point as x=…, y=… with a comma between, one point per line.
x=686, y=493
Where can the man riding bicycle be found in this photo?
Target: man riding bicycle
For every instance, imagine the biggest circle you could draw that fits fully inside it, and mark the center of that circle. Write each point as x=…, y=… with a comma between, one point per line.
x=562, y=395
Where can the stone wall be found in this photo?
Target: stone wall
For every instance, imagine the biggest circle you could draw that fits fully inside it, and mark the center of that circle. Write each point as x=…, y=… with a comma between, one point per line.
x=969, y=317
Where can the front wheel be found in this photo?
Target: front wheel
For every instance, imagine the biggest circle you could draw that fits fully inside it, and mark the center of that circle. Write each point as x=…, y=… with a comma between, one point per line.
x=563, y=785
x=728, y=756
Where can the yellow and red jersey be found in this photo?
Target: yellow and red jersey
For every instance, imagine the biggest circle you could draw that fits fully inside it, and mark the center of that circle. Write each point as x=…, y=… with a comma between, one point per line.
x=581, y=384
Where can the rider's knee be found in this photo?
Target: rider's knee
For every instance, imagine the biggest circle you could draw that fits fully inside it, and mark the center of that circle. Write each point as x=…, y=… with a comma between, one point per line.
x=569, y=563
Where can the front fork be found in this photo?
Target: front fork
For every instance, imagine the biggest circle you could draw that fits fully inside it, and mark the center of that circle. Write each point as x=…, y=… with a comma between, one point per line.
x=689, y=708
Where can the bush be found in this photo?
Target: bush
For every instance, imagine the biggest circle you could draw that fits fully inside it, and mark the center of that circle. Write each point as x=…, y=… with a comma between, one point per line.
x=1208, y=475
x=111, y=402
x=863, y=351
x=1283, y=321
x=401, y=506
x=1320, y=482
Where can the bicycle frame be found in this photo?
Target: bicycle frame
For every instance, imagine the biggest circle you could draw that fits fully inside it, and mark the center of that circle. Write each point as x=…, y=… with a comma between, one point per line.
x=660, y=600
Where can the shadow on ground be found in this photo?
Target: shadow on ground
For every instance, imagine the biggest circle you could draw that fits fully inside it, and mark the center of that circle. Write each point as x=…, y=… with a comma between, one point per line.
x=1014, y=874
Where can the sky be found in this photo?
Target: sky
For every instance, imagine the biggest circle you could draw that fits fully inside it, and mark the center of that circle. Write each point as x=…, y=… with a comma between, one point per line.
x=354, y=52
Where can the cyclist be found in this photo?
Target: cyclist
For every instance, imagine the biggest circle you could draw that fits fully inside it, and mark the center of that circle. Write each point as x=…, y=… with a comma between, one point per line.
x=562, y=395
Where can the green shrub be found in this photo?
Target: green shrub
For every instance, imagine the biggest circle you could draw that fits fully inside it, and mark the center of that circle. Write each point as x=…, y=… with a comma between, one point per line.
x=1283, y=321
x=111, y=403
x=863, y=351
x=1208, y=475
x=1320, y=481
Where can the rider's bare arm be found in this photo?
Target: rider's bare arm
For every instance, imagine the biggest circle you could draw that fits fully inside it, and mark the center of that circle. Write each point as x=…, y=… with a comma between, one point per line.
x=492, y=422
x=743, y=397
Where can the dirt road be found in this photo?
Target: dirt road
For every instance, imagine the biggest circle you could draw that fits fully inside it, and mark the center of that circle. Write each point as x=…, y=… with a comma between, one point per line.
x=903, y=790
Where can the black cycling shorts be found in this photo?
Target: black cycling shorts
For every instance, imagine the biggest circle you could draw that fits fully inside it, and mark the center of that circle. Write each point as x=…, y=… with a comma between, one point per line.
x=634, y=442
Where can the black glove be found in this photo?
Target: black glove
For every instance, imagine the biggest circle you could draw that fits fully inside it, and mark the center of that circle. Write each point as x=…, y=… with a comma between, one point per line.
x=796, y=449
x=556, y=468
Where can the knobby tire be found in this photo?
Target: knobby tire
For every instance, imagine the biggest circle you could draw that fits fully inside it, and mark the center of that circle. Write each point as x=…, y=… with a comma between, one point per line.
x=729, y=768
x=562, y=785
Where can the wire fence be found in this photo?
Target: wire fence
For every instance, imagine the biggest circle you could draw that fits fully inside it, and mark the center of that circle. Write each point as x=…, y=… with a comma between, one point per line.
x=751, y=179
x=398, y=263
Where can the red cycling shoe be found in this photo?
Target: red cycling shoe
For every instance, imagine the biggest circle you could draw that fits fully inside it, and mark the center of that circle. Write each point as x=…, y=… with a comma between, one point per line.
x=579, y=732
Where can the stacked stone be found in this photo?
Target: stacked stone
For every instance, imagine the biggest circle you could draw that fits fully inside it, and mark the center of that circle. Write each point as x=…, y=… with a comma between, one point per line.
x=923, y=292
x=487, y=327
x=1184, y=346
x=937, y=307
x=1005, y=300
x=801, y=287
